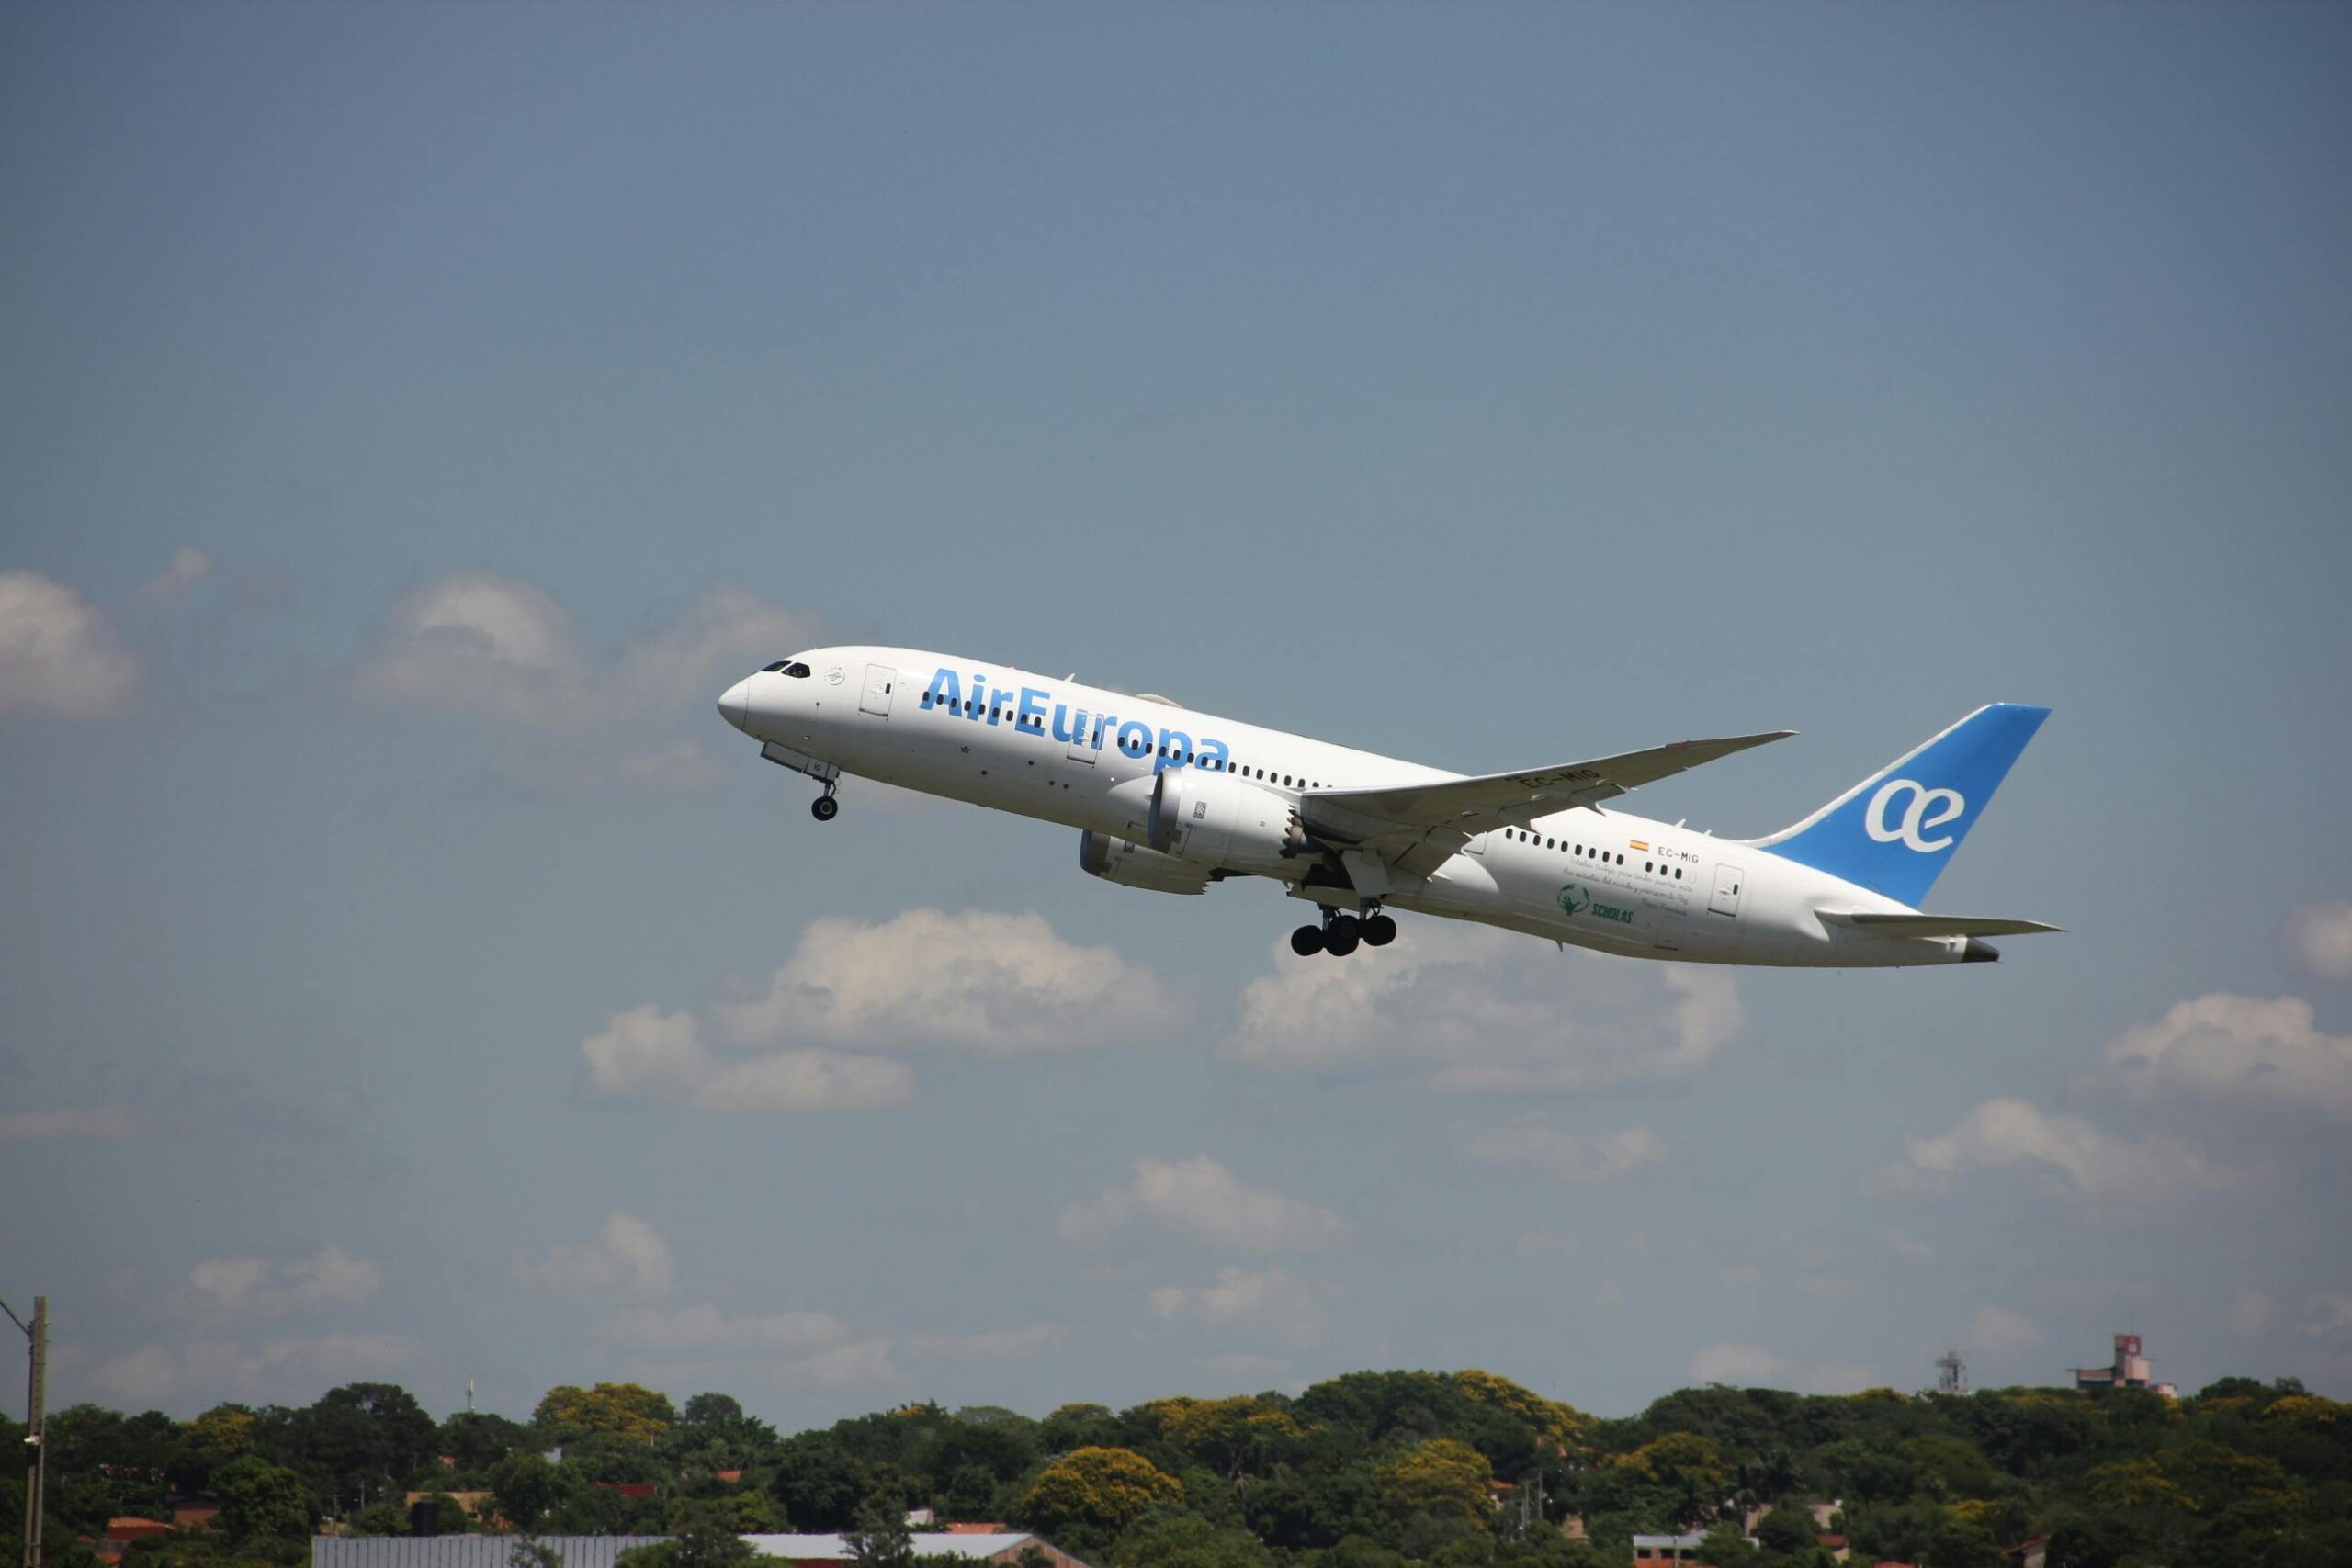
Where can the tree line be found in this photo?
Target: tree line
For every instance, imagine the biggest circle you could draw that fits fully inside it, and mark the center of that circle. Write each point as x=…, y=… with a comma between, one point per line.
x=1370, y=1470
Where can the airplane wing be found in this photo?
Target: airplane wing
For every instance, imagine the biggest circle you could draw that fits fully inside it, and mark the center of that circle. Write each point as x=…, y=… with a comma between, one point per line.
x=1446, y=811
x=1934, y=925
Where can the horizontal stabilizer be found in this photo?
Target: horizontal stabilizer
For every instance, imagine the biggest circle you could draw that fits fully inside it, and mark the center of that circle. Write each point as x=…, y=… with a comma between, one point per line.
x=1934, y=925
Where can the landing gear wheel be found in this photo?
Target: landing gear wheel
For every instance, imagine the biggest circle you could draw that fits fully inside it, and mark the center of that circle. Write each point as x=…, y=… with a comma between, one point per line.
x=1379, y=931
x=1306, y=940
x=824, y=808
x=1339, y=937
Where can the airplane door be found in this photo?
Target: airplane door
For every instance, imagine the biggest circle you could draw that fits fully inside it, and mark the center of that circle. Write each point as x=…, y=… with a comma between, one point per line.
x=879, y=679
x=1727, y=898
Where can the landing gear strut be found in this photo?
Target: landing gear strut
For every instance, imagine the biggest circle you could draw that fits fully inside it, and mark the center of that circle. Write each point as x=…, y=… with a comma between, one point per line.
x=824, y=808
x=1338, y=933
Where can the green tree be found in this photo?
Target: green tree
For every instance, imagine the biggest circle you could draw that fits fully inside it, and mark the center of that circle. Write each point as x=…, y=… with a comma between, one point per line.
x=260, y=1502
x=709, y=1541
x=525, y=1487
x=1787, y=1529
x=478, y=1441
x=881, y=1538
x=526, y=1552
x=1724, y=1547
x=711, y=1409
x=1165, y=1539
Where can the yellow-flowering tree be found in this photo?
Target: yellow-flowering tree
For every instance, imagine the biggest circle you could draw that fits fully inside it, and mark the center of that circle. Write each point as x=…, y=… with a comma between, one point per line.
x=1562, y=1425
x=1106, y=1489
x=625, y=1410
x=1441, y=1477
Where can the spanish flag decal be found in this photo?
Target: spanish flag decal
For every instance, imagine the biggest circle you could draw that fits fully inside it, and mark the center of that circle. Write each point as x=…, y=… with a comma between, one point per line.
x=1637, y=844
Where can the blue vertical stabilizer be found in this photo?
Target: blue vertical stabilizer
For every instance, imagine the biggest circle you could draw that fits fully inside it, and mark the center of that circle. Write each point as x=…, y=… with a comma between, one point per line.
x=1892, y=832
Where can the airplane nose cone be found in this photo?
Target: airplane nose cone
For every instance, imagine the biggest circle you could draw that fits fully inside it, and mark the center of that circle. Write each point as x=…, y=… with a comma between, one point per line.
x=735, y=707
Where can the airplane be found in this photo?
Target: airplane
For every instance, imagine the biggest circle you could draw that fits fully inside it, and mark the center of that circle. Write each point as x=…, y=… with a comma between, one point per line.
x=1174, y=800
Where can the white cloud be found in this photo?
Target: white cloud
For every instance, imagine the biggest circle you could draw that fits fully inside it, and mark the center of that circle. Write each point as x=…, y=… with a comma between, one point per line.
x=2321, y=937
x=57, y=652
x=2240, y=1048
x=479, y=641
x=1993, y=1330
x=2329, y=1319
x=978, y=981
x=1199, y=1199
x=1533, y=1243
x=1268, y=1301
x=994, y=1345
x=724, y=635
x=189, y=566
x=2086, y=1162
x=625, y=1260
x=205, y=1371
x=2250, y=1314
x=1909, y=1246
x=1488, y=1011
x=484, y=642
x=1739, y=1274
x=1739, y=1365
x=71, y=1122
x=1827, y=1288
x=858, y=1361
x=705, y=1327
x=1567, y=1157
x=646, y=1054
x=329, y=1276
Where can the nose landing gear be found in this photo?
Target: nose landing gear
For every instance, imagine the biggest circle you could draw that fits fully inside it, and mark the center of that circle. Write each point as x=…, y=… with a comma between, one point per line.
x=824, y=808
x=1339, y=934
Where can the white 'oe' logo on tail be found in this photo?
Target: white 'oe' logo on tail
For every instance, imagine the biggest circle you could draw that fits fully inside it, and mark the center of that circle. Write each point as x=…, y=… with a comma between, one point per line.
x=1927, y=808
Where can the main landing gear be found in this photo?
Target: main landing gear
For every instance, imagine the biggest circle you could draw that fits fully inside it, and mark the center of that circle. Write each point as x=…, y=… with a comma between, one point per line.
x=1338, y=933
x=824, y=808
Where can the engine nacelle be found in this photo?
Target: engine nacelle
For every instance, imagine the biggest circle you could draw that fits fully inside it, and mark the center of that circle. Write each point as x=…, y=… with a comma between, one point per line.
x=1217, y=820
x=1133, y=865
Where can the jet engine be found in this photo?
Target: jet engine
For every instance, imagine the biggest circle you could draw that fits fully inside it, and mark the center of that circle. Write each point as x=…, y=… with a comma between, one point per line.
x=1217, y=820
x=1132, y=866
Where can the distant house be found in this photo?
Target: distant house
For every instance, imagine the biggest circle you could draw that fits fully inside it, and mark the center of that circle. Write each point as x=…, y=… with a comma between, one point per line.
x=828, y=1550
x=2130, y=1369
x=122, y=1532
x=1006, y=1548
x=631, y=1489
x=1656, y=1550
x=2028, y=1553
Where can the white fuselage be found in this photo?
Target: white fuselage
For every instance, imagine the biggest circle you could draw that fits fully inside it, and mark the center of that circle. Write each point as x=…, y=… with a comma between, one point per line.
x=1088, y=758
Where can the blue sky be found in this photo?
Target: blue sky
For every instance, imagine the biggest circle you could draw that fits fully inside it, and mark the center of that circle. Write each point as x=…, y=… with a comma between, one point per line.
x=416, y=416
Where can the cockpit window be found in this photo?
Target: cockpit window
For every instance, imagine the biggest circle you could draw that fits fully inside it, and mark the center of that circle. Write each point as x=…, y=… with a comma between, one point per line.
x=785, y=666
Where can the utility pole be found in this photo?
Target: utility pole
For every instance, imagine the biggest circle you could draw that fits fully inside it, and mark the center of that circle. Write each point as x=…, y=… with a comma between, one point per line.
x=36, y=1400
